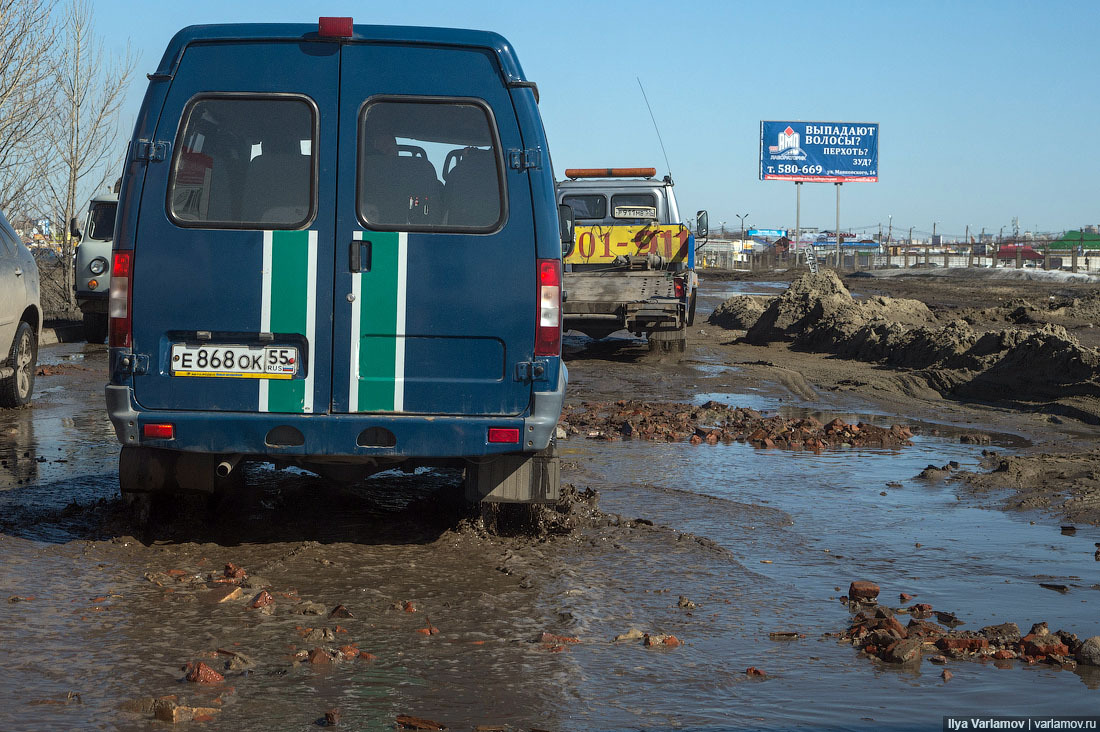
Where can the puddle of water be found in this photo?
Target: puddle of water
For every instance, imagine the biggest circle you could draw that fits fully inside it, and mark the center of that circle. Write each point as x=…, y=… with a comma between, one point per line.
x=800, y=526
x=713, y=293
x=714, y=369
x=749, y=400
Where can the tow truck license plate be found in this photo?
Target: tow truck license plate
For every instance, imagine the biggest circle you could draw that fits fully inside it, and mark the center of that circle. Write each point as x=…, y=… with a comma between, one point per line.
x=235, y=362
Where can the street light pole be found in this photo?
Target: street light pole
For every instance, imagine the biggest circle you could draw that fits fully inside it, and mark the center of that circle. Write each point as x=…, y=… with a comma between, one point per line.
x=742, y=226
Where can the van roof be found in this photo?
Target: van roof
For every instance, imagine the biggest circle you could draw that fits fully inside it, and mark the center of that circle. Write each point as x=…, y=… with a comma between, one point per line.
x=362, y=33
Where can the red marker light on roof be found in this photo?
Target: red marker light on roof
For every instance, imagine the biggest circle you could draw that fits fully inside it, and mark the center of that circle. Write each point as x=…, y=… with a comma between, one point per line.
x=335, y=27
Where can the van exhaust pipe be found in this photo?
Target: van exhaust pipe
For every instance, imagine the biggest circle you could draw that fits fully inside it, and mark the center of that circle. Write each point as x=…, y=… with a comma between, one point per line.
x=225, y=467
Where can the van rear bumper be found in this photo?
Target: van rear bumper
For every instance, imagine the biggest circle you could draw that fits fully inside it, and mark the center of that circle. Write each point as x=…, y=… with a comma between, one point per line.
x=337, y=435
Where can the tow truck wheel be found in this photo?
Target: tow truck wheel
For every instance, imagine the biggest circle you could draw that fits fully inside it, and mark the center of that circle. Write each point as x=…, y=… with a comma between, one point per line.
x=668, y=341
x=95, y=327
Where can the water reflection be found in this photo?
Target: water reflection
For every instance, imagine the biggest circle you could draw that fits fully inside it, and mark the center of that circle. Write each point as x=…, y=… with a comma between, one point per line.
x=18, y=449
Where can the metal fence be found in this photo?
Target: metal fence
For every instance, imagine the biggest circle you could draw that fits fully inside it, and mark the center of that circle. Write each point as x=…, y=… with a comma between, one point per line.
x=733, y=255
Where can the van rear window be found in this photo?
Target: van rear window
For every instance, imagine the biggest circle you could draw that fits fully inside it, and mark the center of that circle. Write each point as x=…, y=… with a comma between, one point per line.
x=591, y=207
x=429, y=165
x=244, y=162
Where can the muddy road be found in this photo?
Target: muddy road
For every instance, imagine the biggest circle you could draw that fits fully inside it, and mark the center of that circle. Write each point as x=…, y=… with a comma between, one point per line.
x=381, y=599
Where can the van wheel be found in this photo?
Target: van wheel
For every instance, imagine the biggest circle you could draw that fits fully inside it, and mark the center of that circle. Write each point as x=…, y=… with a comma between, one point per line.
x=95, y=327
x=16, y=390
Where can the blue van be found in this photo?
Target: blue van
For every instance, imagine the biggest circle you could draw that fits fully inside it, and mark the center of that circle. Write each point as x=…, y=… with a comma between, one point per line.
x=338, y=248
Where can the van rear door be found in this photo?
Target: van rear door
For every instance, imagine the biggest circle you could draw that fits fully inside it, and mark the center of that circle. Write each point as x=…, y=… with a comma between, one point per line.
x=435, y=281
x=231, y=267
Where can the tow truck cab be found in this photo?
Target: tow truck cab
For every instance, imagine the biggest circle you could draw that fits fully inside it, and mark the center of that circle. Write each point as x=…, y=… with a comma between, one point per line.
x=633, y=265
x=298, y=274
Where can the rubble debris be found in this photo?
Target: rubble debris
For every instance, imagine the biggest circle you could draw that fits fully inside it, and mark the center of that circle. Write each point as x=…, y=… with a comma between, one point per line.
x=632, y=634
x=428, y=629
x=716, y=422
x=876, y=632
x=754, y=671
x=661, y=641
x=167, y=710
x=261, y=600
x=340, y=612
x=1089, y=652
x=862, y=590
x=232, y=571
x=200, y=673
x=556, y=639
x=405, y=721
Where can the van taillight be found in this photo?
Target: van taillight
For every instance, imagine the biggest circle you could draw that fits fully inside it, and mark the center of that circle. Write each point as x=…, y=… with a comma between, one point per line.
x=548, y=333
x=678, y=282
x=507, y=435
x=118, y=304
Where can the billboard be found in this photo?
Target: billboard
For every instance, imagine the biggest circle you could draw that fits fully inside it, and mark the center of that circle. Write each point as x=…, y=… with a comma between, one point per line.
x=819, y=152
x=768, y=232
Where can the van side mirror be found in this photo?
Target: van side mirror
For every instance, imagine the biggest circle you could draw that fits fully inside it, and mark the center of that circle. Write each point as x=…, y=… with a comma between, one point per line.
x=566, y=222
x=702, y=226
x=74, y=228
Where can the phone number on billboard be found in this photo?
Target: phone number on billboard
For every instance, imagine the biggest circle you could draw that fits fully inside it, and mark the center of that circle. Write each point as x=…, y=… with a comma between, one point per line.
x=796, y=169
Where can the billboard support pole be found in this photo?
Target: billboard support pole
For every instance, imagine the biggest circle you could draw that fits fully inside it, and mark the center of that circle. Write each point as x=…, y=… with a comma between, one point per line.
x=797, y=214
x=839, y=259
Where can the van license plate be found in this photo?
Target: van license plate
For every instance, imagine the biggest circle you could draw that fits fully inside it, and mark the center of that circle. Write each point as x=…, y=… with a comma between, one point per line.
x=235, y=362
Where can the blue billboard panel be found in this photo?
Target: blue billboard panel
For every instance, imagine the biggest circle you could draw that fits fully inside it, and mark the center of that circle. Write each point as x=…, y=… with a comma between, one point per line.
x=819, y=152
x=767, y=232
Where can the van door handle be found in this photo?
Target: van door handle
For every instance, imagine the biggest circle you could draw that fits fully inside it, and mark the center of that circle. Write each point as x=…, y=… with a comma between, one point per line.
x=359, y=256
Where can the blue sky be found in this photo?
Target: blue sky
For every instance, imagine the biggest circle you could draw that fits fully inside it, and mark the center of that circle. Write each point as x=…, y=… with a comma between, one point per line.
x=988, y=110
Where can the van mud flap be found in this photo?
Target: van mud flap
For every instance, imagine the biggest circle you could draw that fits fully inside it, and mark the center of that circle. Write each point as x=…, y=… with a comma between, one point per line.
x=515, y=479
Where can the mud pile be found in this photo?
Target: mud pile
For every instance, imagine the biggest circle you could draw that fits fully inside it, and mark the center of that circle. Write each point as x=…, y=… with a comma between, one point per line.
x=1059, y=309
x=1032, y=365
x=714, y=422
x=740, y=312
x=877, y=630
x=1068, y=484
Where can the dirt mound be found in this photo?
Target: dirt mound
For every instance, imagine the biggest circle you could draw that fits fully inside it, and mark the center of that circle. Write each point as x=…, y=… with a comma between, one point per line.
x=1081, y=308
x=740, y=312
x=807, y=300
x=1042, y=366
x=1066, y=484
x=1046, y=364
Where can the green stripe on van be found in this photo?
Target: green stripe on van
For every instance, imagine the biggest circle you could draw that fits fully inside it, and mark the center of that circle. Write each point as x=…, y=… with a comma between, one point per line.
x=290, y=259
x=380, y=340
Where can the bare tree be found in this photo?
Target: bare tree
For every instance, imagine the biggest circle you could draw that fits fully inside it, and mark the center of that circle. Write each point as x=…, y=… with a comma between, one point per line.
x=82, y=137
x=27, y=65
